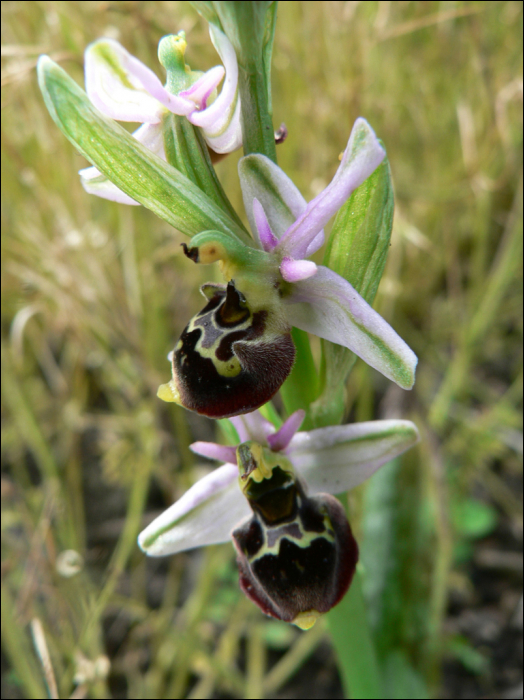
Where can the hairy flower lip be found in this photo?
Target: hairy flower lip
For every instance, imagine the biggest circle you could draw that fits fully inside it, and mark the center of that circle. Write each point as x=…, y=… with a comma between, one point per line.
x=328, y=460
x=296, y=554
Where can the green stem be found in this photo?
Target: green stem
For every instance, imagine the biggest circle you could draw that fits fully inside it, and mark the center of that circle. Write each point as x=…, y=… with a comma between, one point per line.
x=300, y=388
x=257, y=126
x=250, y=28
x=351, y=636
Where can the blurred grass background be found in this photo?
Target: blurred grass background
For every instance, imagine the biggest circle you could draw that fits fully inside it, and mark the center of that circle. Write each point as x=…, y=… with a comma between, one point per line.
x=94, y=295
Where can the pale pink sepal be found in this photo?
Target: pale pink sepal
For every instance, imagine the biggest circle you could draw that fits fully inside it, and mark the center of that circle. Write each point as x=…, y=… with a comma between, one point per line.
x=266, y=238
x=204, y=515
x=212, y=450
x=281, y=439
x=200, y=91
x=338, y=458
x=328, y=306
x=124, y=88
x=296, y=270
x=362, y=156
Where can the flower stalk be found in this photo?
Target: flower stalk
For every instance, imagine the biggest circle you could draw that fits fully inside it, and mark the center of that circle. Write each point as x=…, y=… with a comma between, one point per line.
x=250, y=26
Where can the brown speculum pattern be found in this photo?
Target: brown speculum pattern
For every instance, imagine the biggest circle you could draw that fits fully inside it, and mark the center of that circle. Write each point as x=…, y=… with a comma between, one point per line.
x=296, y=554
x=227, y=361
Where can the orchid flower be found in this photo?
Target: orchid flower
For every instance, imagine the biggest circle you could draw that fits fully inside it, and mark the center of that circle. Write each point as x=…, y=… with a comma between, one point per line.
x=235, y=354
x=123, y=88
x=296, y=553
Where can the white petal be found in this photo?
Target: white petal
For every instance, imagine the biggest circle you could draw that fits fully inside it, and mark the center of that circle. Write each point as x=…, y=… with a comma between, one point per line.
x=151, y=136
x=328, y=306
x=338, y=458
x=95, y=183
x=228, y=137
x=204, y=515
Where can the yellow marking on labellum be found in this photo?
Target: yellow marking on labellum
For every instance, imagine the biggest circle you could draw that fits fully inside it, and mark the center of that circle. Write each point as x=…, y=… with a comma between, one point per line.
x=303, y=543
x=306, y=620
x=265, y=460
x=169, y=392
x=226, y=368
x=263, y=469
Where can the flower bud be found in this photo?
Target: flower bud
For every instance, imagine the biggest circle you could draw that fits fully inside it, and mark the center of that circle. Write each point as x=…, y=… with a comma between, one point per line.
x=229, y=360
x=296, y=555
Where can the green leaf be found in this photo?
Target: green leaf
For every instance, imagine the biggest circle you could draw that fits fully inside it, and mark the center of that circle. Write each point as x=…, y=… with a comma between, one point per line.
x=358, y=245
x=472, y=659
x=473, y=518
x=267, y=51
x=300, y=388
x=401, y=680
x=128, y=164
x=353, y=643
x=397, y=553
x=208, y=12
x=187, y=151
x=228, y=430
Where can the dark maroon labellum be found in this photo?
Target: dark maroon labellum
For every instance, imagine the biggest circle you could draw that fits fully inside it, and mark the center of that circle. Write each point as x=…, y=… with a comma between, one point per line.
x=228, y=360
x=296, y=555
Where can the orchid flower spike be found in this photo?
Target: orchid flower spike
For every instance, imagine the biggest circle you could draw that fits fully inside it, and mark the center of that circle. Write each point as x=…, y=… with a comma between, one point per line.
x=236, y=353
x=295, y=550
x=123, y=88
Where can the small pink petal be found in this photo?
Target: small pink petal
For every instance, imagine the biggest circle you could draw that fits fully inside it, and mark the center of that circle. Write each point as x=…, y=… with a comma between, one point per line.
x=281, y=439
x=211, y=450
x=262, y=179
x=265, y=235
x=297, y=270
x=200, y=90
x=221, y=120
x=362, y=156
